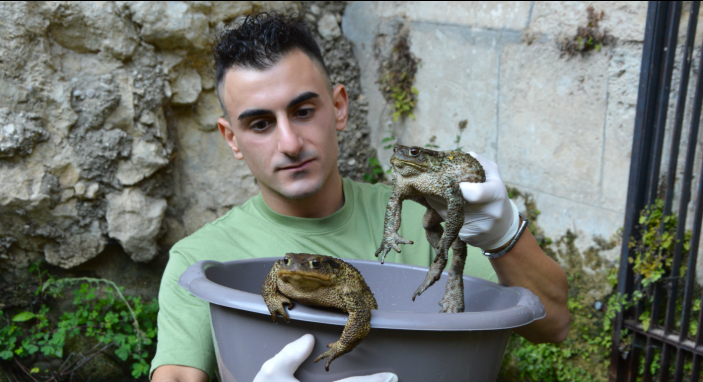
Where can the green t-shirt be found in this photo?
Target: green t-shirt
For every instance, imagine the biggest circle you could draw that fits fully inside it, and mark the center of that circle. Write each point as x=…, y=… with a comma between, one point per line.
x=254, y=230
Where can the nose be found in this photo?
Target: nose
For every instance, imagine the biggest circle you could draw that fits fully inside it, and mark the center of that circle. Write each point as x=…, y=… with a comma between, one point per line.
x=289, y=141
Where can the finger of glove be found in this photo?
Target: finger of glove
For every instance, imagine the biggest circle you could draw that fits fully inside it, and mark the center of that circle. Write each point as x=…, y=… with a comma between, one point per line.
x=482, y=193
x=284, y=364
x=380, y=377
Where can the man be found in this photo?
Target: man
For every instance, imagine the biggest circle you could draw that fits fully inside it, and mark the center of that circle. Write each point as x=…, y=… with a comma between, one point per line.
x=282, y=119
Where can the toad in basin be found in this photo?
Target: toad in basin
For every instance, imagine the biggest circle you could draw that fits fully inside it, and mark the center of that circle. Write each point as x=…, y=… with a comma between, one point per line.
x=323, y=281
x=417, y=173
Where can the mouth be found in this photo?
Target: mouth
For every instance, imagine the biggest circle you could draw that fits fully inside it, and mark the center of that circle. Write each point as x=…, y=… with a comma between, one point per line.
x=399, y=163
x=297, y=166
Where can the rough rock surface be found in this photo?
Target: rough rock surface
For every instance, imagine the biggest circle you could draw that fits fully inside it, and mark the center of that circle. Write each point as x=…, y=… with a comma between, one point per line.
x=19, y=133
x=108, y=133
x=134, y=220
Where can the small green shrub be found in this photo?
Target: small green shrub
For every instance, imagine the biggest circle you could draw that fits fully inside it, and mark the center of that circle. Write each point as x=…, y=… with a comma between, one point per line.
x=654, y=248
x=589, y=37
x=123, y=325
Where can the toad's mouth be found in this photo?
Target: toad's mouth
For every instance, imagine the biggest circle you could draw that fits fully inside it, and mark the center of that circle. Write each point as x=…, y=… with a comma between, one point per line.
x=290, y=276
x=400, y=163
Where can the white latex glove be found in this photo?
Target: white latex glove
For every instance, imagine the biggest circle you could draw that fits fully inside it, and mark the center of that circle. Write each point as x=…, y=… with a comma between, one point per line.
x=491, y=220
x=283, y=365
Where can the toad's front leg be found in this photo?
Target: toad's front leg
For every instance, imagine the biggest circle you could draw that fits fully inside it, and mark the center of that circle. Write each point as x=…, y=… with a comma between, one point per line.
x=357, y=328
x=273, y=298
x=391, y=225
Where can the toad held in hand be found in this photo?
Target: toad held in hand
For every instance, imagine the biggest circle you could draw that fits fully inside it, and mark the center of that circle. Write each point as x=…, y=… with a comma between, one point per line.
x=322, y=281
x=419, y=172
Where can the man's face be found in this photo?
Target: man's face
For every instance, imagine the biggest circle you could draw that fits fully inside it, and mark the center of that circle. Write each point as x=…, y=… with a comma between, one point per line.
x=283, y=122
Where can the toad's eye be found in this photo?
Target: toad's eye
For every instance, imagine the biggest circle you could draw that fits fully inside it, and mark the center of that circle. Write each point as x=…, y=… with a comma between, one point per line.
x=286, y=260
x=395, y=148
x=315, y=263
x=414, y=151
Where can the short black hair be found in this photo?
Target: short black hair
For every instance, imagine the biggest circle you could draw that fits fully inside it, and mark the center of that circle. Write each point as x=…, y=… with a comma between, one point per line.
x=260, y=41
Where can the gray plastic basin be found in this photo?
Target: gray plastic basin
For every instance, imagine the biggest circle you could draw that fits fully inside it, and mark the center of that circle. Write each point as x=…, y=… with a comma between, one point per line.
x=407, y=338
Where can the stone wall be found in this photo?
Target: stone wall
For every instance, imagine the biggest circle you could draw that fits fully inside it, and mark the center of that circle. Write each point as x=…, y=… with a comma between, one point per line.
x=558, y=125
x=108, y=138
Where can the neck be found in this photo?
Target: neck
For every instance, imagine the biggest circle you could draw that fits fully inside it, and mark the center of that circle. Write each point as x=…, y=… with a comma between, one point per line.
x=324, y=203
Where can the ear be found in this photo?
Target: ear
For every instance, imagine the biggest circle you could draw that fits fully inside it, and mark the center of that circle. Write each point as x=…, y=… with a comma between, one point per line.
x=228, y=134
x=340, y=101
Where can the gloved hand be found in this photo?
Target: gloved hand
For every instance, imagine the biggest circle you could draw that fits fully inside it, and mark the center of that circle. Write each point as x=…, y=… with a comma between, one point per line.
x=283, y=365
x=491, y=220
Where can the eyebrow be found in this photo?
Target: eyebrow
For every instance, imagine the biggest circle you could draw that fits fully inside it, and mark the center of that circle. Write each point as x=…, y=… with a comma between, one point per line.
x=258, y=112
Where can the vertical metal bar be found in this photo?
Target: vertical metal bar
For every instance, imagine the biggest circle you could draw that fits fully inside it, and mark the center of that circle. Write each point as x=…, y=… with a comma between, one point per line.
x=648, y=358
x=692, y=261
x=699, y=335
x=665, y=362
x=683, y=202
x=649, y=73
x=695, y=368
x=637, y=340
x=671, y=180
x=681, y=106
x=680, y=359
x=662, y=101
x=672, y=29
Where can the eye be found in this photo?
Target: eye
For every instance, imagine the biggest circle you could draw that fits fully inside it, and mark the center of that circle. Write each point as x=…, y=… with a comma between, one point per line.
x=260, y=125
x=315, y=263
x=286, y=260
x=304, y=113
x=414, y=151
x=395, y=148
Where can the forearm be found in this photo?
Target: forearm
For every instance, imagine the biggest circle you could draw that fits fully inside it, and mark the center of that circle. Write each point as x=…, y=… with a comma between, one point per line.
x=177, y=373
x=527, y=266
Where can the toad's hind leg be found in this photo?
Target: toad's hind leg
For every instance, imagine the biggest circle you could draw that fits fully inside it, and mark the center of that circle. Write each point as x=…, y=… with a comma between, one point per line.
x=453, y=300
x=433, y=230
x=357, y=328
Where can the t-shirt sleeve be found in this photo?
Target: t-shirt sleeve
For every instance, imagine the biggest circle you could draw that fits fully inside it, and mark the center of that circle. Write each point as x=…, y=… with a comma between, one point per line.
x=184, y=334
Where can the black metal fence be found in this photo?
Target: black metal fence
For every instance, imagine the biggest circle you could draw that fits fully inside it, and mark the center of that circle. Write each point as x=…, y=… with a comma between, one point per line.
x=655, y=336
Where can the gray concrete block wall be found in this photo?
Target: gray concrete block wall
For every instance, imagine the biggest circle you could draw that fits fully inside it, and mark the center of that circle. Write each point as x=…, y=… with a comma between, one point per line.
x=559, y=127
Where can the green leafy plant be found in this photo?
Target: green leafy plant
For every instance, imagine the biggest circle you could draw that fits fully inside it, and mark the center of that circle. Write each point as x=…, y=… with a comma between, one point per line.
x=389, y=141
x=376, y=174
x=123, y=325
x=654, y=248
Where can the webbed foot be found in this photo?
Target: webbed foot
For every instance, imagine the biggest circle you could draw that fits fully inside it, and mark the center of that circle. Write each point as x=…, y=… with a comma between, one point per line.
x=391, y=242
x=275, y=306
x=337, y=349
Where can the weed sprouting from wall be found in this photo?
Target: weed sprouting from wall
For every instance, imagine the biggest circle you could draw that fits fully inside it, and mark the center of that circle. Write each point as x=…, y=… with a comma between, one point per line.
x=397, y=76
x=589, y=37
